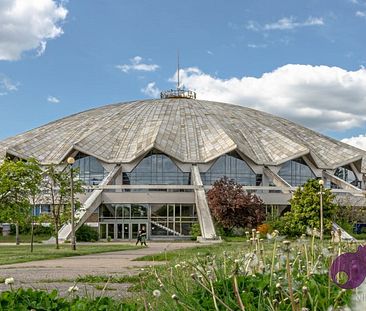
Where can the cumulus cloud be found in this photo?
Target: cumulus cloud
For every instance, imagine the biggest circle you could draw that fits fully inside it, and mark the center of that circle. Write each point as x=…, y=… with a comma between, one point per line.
x=27, y=25
x=286, y=23
x=6, y=85
x=321, y=97
x=137, y=65
x=357, y=141
x=360, y=14
x=53, y=99
x=151, y=90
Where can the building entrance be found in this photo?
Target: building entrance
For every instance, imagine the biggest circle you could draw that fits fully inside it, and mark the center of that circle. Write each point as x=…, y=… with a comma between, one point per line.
x=125, y=230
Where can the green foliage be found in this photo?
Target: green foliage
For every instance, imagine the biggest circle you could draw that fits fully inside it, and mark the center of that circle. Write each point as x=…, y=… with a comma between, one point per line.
x=57, y=185
x=22, y=300
x=195, y=231
x=19, y=181
x=206, y=281
x=305, y=210
x=87, y=234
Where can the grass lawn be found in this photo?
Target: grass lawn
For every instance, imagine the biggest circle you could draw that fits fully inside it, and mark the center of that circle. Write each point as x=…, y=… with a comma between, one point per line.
x=24, y=238
x=21, y=253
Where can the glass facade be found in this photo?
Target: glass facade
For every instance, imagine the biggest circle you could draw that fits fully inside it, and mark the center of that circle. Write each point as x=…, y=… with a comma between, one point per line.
x=233, y=167
x=296, y=172
x=172, y=219
x=346, y=173
x=91, y=171
x=156, y=169
x=122, y=221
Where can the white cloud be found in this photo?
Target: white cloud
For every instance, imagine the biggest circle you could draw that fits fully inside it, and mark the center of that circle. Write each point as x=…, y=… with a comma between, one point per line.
x=287, y=23
x=321, y=97
x=360, y=14
x=151, y=90
x=6, y=85
x=357, y=141
x=137, y=65
x=53, y=99
x=256, y=46
x=27, y=24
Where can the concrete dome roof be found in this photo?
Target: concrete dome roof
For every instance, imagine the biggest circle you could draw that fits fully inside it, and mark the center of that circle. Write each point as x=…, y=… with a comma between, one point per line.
x=192, y=131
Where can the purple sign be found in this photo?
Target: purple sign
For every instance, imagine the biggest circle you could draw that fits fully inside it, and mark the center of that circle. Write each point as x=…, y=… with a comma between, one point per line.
x=353, y=265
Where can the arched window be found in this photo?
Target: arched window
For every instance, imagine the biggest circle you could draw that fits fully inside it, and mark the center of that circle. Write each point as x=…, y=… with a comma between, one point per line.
x=296, y=172
x=347, y=174
x=233, y=167
x=91, y=171
x=156, y=169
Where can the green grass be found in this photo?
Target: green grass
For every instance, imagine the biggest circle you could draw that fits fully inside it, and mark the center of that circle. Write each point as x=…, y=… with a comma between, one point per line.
x=109, y=279
x=24, y=238
x=183, y=254
x=21, y=253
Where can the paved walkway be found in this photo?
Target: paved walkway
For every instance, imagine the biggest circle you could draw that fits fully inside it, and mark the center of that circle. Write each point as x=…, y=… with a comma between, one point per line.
x=54, y=273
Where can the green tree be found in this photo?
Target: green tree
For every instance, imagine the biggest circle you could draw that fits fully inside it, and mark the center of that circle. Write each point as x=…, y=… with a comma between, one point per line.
x=233, y=207
x=305, y=210
x=19, y=182
x=56, y=186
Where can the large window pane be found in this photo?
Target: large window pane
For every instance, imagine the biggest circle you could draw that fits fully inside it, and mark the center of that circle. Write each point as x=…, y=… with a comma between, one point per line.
x=296, y=172
x=91, y=171
x=233, y=167
x=156, y=169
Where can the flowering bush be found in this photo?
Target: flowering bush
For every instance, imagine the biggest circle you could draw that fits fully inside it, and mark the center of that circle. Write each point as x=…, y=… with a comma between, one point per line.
x=264, y=229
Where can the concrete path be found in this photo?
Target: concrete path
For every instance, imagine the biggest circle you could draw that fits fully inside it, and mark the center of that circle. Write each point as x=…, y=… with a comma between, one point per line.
x=60, y=273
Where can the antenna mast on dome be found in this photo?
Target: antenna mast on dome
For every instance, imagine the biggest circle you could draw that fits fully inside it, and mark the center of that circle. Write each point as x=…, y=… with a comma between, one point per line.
x=179, y=92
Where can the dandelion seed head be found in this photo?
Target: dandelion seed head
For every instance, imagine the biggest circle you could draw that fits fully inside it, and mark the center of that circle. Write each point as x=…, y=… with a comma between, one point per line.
x=73, y=289
x=156, y=293
x=9, y=281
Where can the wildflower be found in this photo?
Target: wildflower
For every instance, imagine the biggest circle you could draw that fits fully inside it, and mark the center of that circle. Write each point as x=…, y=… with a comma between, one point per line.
x=175, y=297
x=177, y=266
x=278, y=285
x=156, y=293
x=73, y=288
x=9, y=281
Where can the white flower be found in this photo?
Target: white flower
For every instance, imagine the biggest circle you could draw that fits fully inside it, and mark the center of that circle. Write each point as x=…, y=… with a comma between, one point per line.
x=175, y=297
x=73, y=289
x=9, y=281
x=156, y=293
x=177, y=266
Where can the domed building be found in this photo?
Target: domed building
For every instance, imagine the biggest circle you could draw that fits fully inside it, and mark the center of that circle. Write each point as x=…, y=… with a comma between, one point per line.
x=149, y=162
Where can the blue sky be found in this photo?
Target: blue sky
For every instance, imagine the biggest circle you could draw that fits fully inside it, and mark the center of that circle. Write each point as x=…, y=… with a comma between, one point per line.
x=303, y=60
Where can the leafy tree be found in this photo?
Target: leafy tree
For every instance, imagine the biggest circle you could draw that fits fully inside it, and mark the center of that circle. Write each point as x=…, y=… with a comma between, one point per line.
x=56, y=185
x=305, y=210
x=232, y=207
x=19, y=182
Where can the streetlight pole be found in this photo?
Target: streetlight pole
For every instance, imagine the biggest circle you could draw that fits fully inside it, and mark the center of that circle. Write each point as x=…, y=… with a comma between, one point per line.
x=321, y=184
x=71, y=161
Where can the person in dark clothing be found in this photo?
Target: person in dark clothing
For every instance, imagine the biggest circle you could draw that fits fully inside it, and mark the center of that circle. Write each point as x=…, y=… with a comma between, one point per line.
x=143, y=236
x=139, y=237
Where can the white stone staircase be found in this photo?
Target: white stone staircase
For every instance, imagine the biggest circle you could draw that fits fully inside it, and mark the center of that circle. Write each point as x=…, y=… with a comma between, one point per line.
x=88, y=208
x=203, y=211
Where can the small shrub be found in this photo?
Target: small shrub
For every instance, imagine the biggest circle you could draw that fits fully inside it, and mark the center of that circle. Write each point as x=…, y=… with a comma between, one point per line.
x=87, y=234
x=264, y=229
x=195, y=231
